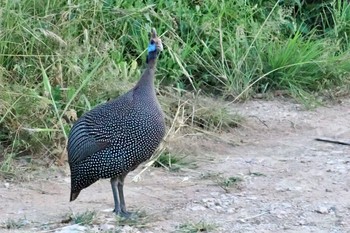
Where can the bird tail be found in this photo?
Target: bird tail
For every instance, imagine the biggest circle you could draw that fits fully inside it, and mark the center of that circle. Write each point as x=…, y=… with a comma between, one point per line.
x=74, y=195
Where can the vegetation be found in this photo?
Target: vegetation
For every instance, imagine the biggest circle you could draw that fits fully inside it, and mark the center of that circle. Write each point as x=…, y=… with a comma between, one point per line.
x=200, y=226
x=84, y=218
x=13, y=224
x=171, y=161
x=138, y=219
x=223, y=181
x=58, y=59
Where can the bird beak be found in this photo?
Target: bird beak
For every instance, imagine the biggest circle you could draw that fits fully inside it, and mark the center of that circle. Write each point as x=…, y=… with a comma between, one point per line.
x=159, y=45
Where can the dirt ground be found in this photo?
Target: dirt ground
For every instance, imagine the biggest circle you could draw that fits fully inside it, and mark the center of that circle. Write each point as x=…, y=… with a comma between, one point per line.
x=290, y=182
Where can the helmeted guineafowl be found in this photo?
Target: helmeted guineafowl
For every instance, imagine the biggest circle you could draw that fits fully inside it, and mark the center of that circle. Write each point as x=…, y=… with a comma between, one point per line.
x=114, y=138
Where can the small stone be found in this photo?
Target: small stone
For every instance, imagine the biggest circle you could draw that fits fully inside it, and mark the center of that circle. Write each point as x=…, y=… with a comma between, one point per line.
x=322, y=210
x=341, y=169
x=107, y=210
x=286, y=205
x=197, y=208
x=218, y=202
x=76, y=228
x=282, y=212
x=283, y=189
x=7, y=185
x=129, y=229
x=106, y=227
x=302, y=222
x=241, y=220
x=214, y=194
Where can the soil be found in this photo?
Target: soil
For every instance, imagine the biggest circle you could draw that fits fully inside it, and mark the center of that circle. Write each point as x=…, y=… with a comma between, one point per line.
x=289, y=182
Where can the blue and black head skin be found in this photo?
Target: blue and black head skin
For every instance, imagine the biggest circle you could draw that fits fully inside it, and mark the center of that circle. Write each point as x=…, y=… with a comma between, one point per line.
x=155, y=46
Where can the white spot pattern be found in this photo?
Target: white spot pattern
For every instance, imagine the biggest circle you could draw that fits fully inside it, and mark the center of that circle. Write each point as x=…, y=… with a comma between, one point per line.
x=115, y=137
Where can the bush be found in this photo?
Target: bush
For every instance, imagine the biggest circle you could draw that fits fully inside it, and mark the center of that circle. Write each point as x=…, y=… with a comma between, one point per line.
x=58, y=59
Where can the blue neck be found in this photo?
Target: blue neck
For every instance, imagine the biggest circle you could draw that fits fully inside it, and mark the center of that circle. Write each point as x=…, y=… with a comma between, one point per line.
x=152, y=55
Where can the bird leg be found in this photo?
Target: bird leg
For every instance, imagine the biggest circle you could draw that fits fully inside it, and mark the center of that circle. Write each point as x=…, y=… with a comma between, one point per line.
x=120, y=186
x=114, y=183
x=117, y=184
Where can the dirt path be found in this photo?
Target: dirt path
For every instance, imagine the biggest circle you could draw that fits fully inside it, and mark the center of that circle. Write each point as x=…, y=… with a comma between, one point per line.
x=290, y=182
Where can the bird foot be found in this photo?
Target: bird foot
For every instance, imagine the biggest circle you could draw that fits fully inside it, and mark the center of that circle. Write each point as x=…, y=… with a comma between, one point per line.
x=123, y=214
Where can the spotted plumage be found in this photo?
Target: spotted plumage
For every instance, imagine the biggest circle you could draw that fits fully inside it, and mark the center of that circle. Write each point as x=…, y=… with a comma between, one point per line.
x=114, y=138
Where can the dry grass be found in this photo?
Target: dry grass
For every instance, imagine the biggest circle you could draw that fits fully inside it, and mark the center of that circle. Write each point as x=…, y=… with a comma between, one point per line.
x=186, y=115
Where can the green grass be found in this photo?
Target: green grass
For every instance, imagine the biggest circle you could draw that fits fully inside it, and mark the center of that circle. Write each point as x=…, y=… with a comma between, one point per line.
x=229, y=182
x=171, y=161
x=200, y=226
x=7, y=166
x=256, y=174
x=225, y=182
x=138, y=219
x=84, y=218
x=58, y=60
x=13, y=224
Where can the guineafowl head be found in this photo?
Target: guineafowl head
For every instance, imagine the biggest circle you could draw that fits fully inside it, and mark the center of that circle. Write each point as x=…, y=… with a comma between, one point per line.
x=155, y=45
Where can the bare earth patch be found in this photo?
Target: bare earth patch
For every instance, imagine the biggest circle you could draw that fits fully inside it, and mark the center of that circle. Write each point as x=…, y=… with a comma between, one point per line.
x=289, y=182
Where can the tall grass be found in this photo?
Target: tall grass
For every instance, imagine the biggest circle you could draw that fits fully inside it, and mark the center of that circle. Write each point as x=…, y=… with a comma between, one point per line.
x=58, y=59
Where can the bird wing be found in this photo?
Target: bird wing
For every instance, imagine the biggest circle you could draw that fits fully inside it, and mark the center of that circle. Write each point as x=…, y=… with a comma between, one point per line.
x=84, y=141
x=90, y=134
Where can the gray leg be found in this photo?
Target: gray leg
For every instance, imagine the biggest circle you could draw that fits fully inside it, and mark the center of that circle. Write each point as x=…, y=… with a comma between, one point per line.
x=120, y=186
x=114, y=184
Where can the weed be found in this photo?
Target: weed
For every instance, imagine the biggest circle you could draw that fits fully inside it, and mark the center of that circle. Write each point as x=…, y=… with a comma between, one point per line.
x=170, y=161
x=15, y=224
x=215, y=117
x=209, y=175
x=7, y=166
x=85, y=218
x=138, y=219
x=196, y=227
x=198, y=111
x=229, y=181
x=222, y=181
x=256, y=173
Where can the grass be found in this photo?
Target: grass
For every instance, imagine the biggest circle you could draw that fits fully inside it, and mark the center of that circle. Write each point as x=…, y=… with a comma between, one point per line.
x=226, y=183
x=7, y=167
x=229, y=182
x=59, y=59
x=13, y=224
x=138, y=219
x=199, y=111
x=170, y=161
x=200, y=226
x=256, y=174
x=84, y=218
